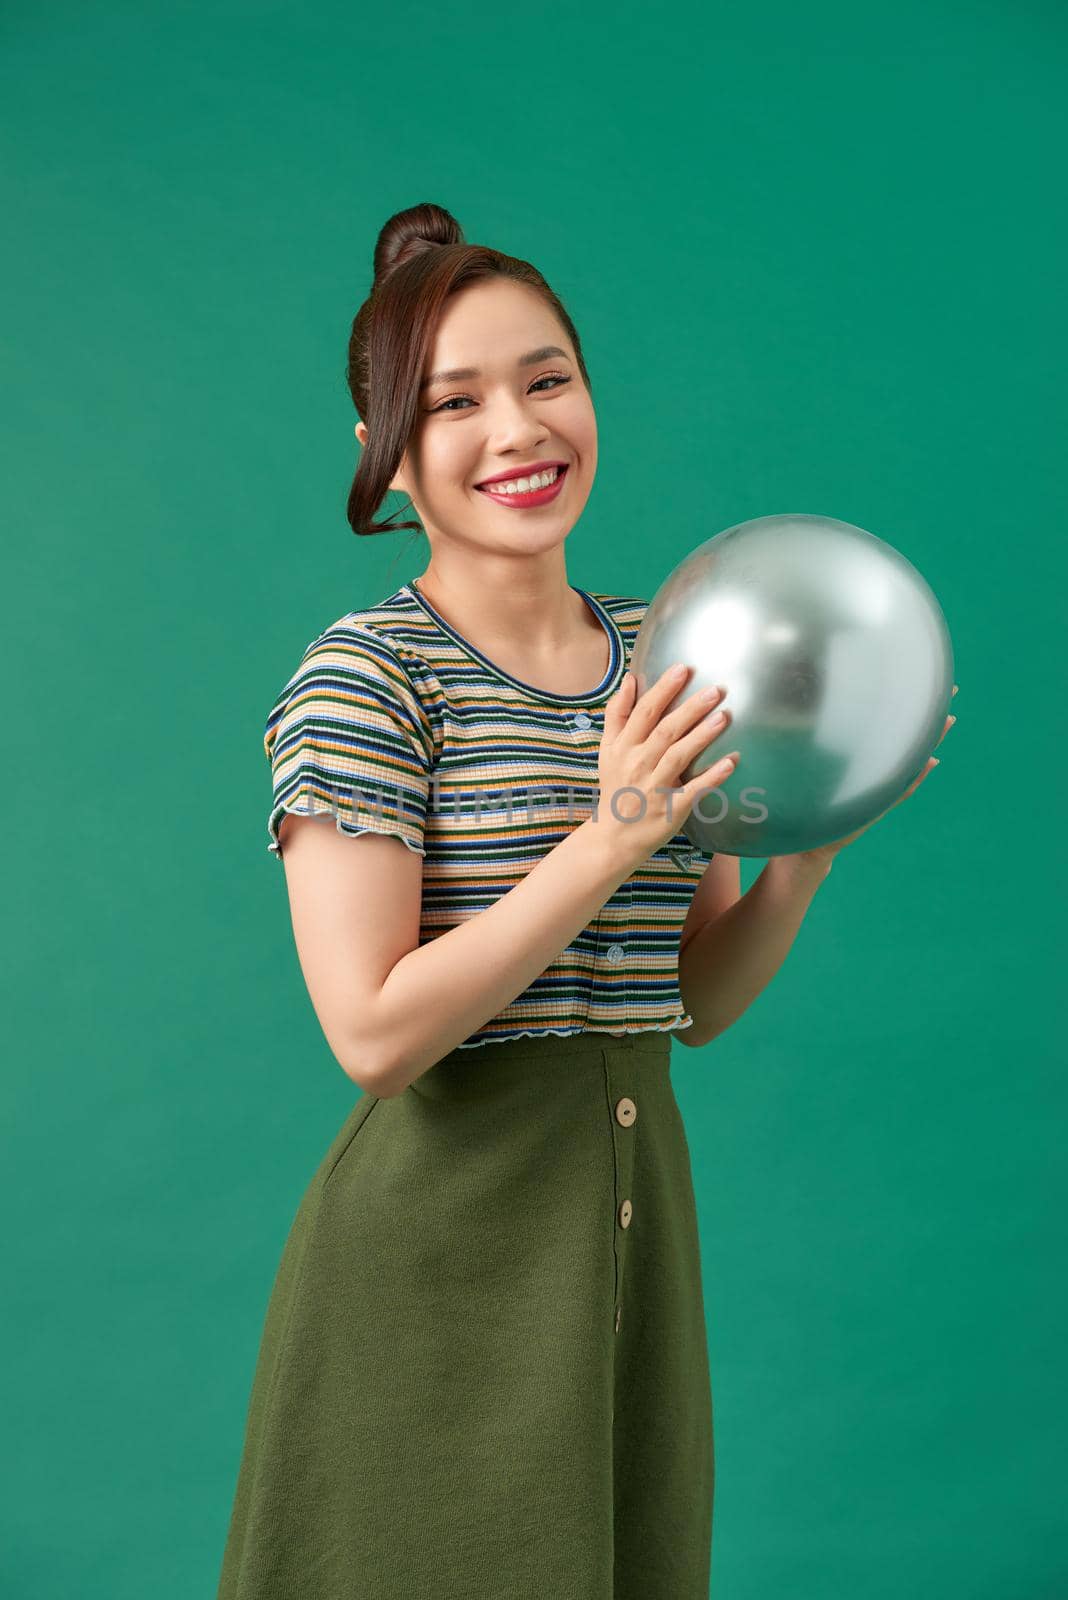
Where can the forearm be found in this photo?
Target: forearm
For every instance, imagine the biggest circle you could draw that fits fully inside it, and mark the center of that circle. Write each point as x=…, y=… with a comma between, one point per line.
x=729, y=961
x=439, y=994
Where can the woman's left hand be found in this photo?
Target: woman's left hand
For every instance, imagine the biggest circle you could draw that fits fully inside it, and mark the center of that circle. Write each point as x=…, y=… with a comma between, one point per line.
x=825, y=853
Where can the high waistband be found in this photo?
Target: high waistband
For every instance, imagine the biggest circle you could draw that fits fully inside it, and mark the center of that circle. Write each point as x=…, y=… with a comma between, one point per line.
x=653, y=1042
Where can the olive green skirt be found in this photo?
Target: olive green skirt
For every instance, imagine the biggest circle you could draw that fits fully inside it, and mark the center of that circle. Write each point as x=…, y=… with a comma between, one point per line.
x=484, y=1369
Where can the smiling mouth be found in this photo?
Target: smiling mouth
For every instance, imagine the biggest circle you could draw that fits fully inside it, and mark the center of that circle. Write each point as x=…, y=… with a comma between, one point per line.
x=498, y=490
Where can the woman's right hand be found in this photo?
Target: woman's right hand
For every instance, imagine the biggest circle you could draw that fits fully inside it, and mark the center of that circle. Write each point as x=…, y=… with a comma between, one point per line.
x=645, y=750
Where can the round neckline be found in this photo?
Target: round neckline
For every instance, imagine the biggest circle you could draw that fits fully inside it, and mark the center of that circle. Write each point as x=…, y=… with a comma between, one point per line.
x=617, y=651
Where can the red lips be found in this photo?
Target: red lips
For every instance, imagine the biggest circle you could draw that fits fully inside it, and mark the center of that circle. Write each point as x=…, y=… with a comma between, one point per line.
x=520, y=472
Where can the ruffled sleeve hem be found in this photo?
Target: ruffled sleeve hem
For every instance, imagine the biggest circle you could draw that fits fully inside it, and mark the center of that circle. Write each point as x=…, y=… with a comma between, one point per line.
x=316, y=807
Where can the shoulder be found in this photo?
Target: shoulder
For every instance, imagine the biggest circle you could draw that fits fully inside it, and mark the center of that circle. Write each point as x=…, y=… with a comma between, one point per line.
x=625, y=613
x=626, y=610
x=377, y=637
x=358, y=669
x=618, y=605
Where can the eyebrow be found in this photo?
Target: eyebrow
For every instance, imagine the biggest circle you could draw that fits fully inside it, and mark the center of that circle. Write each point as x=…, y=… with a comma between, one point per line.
x=454, y=374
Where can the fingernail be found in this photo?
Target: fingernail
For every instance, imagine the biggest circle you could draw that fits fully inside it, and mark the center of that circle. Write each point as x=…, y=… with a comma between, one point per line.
x=936, y=761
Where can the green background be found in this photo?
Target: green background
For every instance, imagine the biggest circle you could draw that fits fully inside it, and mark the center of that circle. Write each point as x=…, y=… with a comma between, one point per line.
x=816, y=258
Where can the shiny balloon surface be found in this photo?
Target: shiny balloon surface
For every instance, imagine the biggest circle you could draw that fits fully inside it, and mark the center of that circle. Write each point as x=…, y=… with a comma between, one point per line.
x=838, y=668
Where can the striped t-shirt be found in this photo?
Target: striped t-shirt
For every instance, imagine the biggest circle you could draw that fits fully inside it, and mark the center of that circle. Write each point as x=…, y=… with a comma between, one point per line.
x=394, y=723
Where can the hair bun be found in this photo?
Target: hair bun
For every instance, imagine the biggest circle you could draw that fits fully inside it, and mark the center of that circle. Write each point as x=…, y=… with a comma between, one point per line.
x=408, y=233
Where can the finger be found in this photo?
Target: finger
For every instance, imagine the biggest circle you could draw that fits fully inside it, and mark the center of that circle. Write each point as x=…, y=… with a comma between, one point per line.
x=673, y=752
x=647, y=715
x=702, y=703
x=956, y=686
x=915, y=784
x=618, y=708
x=716, y=773
x=693, y=712
x=665, y=743
x=708, y=730
x=661, y=692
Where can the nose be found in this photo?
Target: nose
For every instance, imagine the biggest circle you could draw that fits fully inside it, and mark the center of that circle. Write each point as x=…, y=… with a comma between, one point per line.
x=513, y=425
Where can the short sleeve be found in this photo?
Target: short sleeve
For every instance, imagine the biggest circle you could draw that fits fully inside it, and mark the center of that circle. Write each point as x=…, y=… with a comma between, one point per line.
x=348, y=737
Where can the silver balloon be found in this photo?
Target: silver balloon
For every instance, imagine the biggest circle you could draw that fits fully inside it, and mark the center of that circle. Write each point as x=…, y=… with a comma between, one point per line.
x=838, y=668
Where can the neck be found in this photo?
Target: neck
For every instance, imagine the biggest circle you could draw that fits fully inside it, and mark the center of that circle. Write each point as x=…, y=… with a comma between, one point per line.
x=501, y=609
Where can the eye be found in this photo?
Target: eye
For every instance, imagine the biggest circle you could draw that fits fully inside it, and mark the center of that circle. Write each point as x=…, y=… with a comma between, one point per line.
x=553, y=377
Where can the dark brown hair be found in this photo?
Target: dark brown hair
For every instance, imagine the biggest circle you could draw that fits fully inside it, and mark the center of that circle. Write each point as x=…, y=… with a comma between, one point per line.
x=420, y=259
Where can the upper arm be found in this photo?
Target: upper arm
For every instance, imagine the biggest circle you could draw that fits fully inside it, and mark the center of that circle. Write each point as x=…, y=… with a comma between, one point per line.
x=351, y=752
x=719, y=887
x=355, y=908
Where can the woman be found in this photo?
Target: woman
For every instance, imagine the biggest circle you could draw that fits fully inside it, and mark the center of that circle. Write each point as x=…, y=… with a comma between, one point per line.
x=484, y=1367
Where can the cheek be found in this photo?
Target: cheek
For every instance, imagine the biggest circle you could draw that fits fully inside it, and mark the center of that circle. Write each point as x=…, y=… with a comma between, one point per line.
x=444, y=462
x=580, y=425
x=585, y=442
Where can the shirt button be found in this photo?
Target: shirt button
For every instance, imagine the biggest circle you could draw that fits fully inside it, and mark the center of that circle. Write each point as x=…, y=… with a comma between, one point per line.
x=615, y=954
x=581, y=720
x=626, y=1111
x=625, y=1213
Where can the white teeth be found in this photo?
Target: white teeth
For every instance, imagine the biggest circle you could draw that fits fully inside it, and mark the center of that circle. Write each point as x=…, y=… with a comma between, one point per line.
x=540, y=480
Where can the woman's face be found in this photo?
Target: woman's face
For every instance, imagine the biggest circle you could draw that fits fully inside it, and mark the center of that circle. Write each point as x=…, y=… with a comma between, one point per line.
x=510, y=416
